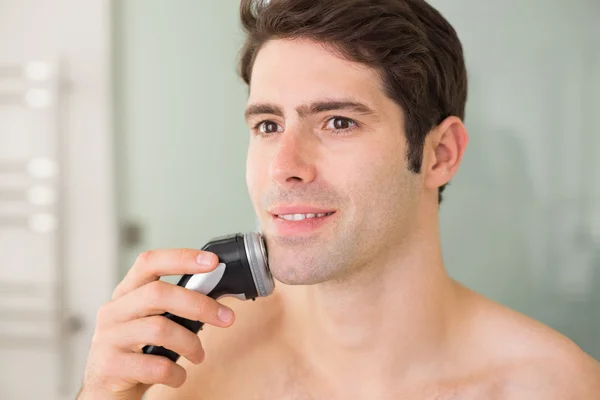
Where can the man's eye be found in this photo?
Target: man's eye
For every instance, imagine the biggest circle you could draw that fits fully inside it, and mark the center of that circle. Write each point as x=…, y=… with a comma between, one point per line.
x=267, y=127
x=340, y=124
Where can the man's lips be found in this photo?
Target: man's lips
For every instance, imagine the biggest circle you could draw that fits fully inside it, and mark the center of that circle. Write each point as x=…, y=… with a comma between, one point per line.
x=300, y=219
x=299, y=213
x=299, y=209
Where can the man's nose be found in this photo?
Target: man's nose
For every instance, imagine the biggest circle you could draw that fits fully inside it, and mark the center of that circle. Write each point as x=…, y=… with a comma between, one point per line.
x=294, y=159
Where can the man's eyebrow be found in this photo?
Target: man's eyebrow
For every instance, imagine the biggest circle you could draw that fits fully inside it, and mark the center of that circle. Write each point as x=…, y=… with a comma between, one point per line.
x=334, y=105
x=263, y=108
x=311, y=109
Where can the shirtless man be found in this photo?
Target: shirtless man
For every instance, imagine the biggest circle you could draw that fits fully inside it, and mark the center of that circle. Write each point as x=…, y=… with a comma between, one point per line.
x=355, y=110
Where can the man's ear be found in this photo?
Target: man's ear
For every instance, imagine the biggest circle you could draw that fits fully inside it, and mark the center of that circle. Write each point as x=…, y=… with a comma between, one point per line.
x=443, y=152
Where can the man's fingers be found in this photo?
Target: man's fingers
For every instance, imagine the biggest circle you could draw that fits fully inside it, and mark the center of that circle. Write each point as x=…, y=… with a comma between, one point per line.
x=156, y=331
x=144, y=368
x=151, y=265
x=159, y=297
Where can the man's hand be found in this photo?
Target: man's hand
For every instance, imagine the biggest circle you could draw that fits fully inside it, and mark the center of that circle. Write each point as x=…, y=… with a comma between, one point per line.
x=116, y=367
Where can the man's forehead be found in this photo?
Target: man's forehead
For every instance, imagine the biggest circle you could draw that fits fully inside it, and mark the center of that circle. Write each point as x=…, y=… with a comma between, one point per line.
x=307, y=71
x=295, y=74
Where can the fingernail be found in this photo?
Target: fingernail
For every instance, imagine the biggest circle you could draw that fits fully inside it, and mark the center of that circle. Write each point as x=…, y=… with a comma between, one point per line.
x=225, y=314
x=204, y=259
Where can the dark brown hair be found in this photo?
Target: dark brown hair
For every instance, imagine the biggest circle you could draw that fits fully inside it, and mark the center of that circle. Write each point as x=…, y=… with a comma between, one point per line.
x=414, y=48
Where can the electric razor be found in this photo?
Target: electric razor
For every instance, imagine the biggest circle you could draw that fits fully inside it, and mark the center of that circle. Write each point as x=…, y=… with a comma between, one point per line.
x=243, y=272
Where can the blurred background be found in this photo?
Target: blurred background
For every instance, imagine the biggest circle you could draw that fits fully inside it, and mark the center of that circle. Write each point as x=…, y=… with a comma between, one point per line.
x=121, y=130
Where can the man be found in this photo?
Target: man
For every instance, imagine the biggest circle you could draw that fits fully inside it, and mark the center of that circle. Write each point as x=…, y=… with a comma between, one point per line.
x=355, y=110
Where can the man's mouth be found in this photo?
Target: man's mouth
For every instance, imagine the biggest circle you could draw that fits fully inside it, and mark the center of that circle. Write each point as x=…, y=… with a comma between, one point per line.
x=300, y=217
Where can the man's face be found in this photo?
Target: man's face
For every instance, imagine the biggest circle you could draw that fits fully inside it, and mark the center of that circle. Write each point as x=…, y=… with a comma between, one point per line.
x=326, y=167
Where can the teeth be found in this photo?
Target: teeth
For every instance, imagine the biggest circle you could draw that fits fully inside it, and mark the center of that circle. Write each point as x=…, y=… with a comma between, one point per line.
x=300, y=217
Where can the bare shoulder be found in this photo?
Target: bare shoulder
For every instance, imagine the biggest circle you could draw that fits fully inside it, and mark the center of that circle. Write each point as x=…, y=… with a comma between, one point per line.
x=537, y=361
x=230, y=352
x=572, y=376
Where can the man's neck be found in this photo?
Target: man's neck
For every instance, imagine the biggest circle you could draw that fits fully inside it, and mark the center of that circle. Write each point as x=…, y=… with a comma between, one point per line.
x=387, y=322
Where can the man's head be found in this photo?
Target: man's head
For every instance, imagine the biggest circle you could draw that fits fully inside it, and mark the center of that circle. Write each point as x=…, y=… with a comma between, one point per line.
x=355, y=108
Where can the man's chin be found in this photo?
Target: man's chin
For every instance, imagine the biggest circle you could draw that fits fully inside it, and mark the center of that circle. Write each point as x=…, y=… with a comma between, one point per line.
x=300, y=260
x=296, y=280
x=297, y=272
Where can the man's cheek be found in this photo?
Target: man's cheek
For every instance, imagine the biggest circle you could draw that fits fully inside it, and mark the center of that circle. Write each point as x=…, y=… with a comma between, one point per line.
x=256, y=180
x=252, y=168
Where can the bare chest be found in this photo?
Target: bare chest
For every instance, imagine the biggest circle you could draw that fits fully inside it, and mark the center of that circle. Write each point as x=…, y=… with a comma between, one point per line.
x=290, y=384
x=287, y=381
